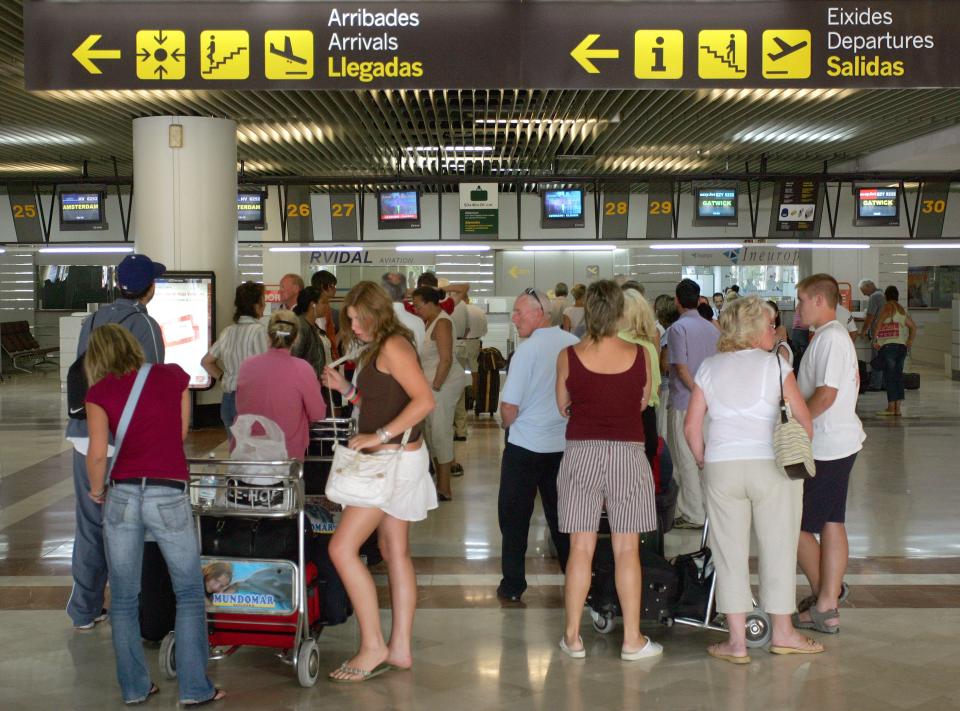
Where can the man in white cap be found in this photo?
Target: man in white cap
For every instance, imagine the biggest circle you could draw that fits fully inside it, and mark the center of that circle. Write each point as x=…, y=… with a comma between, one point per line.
x=135, y=279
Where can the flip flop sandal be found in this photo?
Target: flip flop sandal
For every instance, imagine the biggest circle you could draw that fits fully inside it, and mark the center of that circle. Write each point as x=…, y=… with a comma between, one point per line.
x=814, y=648
x=362, y=674
x=817, y=621
x=154, y=689
x=217, y=695
x=733, y=659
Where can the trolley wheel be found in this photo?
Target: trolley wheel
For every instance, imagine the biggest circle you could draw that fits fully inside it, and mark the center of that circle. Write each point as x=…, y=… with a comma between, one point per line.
x=168, y=656
x=604, y=622
x=308, y=662
x=759, y=630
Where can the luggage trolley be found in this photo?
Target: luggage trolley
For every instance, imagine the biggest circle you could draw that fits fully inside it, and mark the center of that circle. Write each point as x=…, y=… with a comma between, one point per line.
x=265, y=602
x=759, y=630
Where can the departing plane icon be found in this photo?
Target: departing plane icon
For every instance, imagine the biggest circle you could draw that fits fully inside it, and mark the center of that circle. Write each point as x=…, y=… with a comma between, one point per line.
x=786, y=49
x=287, y=51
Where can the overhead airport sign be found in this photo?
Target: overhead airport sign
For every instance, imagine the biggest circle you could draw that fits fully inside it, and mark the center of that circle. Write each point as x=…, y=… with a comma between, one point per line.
x=509, y=44
x=479, y=211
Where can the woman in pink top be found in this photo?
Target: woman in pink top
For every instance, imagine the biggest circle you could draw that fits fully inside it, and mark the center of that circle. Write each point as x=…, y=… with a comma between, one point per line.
x=281, y=387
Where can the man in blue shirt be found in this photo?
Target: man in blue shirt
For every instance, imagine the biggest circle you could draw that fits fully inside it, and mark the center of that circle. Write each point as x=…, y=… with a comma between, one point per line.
x=535, y=438
x=690, y=340
x=135, y=277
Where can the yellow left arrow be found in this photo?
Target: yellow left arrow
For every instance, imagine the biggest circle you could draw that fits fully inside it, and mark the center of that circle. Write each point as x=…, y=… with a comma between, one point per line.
x=584, y=52
x=85, y=53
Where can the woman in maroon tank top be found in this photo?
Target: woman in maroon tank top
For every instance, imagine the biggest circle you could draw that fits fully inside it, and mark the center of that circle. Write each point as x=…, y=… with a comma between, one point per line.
x=603, y=386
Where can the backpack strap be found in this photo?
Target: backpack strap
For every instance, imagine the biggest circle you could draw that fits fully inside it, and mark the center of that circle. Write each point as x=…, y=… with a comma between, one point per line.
x=127, y=415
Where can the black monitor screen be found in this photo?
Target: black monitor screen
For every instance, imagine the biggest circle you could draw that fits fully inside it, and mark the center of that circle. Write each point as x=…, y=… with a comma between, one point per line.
x=877, y=203
x=717, y=203
x=250, y=209
x=400, y=206
x=563, y=204
x=81, y=208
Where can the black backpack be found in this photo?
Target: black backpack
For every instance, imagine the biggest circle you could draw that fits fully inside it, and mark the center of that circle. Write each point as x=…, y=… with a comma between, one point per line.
x=77, y=384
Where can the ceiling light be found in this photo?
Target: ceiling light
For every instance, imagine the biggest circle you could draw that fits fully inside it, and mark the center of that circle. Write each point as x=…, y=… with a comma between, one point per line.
x=37, y=168
x=680, y=244
x=454, y=149
x=794, y=134
x=443, y=248
x=569, y=247
x=38, y=137
x=823, y=245
x=85, y=250
x=317, y=248
x=933, y=245
x=2, y=250
x=546, y=121
x=275, y=132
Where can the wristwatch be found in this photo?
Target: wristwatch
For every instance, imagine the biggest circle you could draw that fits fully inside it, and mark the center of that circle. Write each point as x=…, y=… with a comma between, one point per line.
x=384, y=435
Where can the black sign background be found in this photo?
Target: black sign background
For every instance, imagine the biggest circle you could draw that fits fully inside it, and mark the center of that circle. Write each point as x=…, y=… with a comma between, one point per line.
x=803, y=191
x=26, y=214
x=932, y=210
x=496, y=44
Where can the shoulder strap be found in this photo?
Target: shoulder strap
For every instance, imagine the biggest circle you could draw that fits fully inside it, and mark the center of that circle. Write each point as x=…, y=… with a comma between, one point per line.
x=783, y=405
x=127, y=415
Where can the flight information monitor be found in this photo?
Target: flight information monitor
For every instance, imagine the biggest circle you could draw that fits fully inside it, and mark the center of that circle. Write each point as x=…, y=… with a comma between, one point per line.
x=184, y=306
x=398, y=209
x=562, y=208
x=251, y=210
x=82, y=211
x=877, y=207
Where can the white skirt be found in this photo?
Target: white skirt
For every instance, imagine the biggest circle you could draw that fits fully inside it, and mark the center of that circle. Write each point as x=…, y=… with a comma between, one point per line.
x=415, y=493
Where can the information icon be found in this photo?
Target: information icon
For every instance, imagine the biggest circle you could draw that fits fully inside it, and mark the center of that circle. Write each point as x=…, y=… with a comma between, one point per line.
x=658, y=54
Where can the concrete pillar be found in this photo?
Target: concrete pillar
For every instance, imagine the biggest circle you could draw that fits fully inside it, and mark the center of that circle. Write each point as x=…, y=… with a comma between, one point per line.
x=185, y=199
x=185, y=202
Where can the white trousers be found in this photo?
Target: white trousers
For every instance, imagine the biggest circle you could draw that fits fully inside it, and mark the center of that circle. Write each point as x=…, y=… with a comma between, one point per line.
x=685, y=469
x=758, y=490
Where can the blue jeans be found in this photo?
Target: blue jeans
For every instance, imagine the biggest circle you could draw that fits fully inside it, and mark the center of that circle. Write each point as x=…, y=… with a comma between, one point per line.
x=129, y=512
x=228, y=410
x=893, y=356
x=89, y=565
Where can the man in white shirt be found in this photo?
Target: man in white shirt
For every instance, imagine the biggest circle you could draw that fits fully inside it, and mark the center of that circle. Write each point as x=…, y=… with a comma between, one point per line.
x=829, y=381
x=395, y=285
x=845, y=319
x=535, y=438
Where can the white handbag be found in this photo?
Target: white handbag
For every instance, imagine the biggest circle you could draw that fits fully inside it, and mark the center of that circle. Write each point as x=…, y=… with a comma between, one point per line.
x=362, y=479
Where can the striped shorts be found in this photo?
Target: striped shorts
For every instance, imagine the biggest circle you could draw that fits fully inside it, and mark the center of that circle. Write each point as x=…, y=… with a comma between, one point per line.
x=598, y=472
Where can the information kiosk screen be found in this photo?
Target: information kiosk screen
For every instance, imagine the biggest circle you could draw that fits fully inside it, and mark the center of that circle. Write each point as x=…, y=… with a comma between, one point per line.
x=877, y=206
x=563, y=205
x=184, y=305
x=400, y=208
x=82, y=211
x=251, y=210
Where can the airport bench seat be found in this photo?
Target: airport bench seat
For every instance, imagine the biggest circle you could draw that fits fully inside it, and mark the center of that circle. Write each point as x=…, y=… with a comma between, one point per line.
x=19, y=344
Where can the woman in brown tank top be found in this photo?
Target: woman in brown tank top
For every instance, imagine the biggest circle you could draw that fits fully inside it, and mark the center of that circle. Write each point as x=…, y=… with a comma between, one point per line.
x=393, y=395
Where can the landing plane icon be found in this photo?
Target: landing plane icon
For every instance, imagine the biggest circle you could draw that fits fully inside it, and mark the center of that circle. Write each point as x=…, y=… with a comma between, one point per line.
x=287, y=51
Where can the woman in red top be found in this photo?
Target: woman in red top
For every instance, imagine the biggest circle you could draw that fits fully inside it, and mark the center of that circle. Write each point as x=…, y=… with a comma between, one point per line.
x=603, y=386
x=147, y=493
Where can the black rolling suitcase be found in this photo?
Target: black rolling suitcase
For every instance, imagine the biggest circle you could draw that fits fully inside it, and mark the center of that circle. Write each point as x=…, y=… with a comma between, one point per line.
x=911, y=381
x=158, y=604
x=487, y=396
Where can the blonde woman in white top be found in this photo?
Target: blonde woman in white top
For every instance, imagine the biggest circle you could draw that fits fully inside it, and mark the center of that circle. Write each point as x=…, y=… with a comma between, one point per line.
x=446, y=377
x=738, y=391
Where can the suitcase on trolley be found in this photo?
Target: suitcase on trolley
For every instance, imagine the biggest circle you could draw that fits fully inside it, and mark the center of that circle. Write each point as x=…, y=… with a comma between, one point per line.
x=487, y=396
x=158, y=604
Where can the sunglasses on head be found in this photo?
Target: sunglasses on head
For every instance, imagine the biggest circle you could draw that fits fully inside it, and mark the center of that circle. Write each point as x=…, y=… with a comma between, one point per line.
x=532, y=293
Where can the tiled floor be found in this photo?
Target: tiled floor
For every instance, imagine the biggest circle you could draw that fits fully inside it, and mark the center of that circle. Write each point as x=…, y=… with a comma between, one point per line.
x=897, y=649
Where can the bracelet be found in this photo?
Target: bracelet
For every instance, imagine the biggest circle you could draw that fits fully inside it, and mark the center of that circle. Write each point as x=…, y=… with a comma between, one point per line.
x=384, y=435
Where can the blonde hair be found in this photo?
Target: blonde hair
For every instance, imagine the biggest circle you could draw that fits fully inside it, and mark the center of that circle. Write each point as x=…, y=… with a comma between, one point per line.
x=374, y=307
x=111, y=349
x=283, y=329
x=578, y=291
x=742, y=322
x=603, y=309
x=638, y=319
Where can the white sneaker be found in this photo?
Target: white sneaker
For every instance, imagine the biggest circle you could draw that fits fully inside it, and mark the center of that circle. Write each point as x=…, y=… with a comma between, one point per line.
x=90, y=625
x=650, y=649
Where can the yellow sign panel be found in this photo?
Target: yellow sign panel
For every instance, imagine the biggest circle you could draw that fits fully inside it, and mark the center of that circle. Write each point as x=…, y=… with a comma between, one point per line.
x=722, y=54
x=224, y=54
x=658, y=54
x=288, y=54
x=786, y=54
x=161, y=54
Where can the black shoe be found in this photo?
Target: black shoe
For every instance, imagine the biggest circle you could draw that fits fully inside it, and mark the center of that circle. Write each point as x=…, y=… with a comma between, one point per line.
x=458, y=438
x=506, y=596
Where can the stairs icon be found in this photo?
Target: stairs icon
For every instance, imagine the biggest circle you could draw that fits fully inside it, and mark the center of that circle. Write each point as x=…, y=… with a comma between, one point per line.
x=220, y=62
x=722, y=54
x=723, y=59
